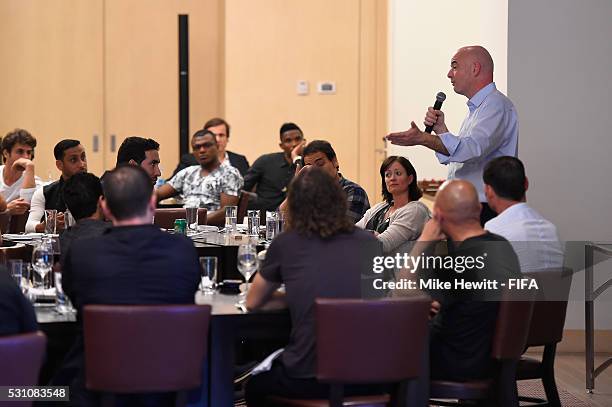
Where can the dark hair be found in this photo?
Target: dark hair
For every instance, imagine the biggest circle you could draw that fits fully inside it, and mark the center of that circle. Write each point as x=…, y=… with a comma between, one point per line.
x=17, y=136
x=414, y=192
x=217, y=121
x=81, y=194
x=320, y=146
x=506, y=175
x=127, y=191
x=317, y=204
x=60, y=148
x=288, y=127
x=204, y=132
x=133, y=148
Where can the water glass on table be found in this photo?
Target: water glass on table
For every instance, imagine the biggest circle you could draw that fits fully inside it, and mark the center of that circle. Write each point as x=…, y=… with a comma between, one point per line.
x=62, y=302
x=271, y=225
x=42, y=259
x=231, y=214
x=208, y=268
x=247, y=263
x=191, y=214
x=50, y=221
x=16, y=268
x=253, y=222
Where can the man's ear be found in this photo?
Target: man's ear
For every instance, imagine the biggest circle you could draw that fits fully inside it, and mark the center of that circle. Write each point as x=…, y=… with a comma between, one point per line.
x=153, y=201
x=105, y=210
x=526, y=184
x=59, y=164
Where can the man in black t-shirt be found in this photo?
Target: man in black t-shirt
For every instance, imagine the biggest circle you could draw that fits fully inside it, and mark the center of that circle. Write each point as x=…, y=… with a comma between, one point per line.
x=464, y=323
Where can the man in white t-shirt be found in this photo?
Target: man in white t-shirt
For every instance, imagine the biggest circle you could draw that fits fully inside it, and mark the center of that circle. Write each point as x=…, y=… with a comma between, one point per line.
x=18, y=182
x=534, y=239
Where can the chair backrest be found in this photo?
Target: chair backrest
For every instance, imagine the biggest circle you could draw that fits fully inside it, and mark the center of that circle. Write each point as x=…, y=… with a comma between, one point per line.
x=550, y=307
x=354, y=344
x=512, y=327
x=18, y=222
x=5, y=222
x=145, y=348
x=243, y=204
x=22, y=356
x=165, y=217
x=19, y=251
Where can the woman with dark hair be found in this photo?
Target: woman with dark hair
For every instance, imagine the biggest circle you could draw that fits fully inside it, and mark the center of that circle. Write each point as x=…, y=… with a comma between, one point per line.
x=400, y=218
x=310, y=259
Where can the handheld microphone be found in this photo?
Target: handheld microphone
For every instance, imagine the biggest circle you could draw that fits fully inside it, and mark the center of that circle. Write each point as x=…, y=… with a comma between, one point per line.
x=440, y=97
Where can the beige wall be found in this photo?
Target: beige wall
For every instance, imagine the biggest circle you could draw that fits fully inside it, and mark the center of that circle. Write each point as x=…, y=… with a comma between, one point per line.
x=75, y=69
x=271, y=44
x=109, y=67
x=51, y=74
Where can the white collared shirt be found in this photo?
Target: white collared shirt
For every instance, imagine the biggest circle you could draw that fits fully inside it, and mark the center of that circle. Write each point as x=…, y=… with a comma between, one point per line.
x=534, y=239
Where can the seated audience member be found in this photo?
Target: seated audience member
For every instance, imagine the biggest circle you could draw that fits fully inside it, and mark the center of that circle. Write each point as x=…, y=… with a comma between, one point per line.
x=16, y=313
x=221, y=128
x=271, y=173
x=306, y=259
x=321, y=154
x=133, y=262
x=462, y=331
x=82, y=194
x=209, y=185
x=399, y=219
x=70, y=159
x=18, y=181
x=143, y=152
x=535, y=239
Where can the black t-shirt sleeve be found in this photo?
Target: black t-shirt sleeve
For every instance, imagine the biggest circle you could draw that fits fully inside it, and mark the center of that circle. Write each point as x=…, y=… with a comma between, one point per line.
x=271, y=268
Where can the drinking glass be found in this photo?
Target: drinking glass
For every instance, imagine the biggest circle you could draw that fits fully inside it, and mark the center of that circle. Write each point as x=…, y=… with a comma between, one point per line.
x=16, y=268
x=271, y=225
x=253, y=222
x=208, y=268
x=42, y=259
x=191, y=214
x=50, y=221
x=62, y=302
x=280, y=222
x=247, y=263
x=231, y=213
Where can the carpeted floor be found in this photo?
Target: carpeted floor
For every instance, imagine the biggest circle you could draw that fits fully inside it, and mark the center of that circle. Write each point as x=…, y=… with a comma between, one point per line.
x=533, y=388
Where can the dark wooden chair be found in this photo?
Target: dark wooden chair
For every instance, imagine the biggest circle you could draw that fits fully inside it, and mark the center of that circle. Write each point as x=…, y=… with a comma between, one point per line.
x=546, y=330
x=243, y=204
x=17, y=223
x=510, y=337
x=22, y=356
x=354, y=346
x=145, y=348
x=165, y=217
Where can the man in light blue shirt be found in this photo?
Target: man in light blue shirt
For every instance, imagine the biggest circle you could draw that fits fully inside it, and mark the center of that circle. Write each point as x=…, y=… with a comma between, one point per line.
x=490, y=129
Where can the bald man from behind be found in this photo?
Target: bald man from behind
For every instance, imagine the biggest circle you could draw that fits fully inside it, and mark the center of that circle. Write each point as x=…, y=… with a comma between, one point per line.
x=490, y=129
x=464, y=320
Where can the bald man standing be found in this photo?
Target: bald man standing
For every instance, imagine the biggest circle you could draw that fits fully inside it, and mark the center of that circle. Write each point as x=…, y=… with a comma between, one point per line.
x=490, y=129
x=462, y=331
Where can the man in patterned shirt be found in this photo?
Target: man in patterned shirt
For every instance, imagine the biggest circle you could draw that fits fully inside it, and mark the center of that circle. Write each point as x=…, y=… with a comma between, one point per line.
x=321, y=154
x=209, y=185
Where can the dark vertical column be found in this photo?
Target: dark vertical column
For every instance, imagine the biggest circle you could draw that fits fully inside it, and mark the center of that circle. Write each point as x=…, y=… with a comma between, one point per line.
x=183, y=20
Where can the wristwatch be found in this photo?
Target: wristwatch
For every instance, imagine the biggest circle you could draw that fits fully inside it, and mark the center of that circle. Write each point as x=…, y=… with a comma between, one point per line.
x=297, y=160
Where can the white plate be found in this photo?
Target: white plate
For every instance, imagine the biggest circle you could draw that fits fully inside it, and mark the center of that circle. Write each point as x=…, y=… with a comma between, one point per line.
x=207, y=228
x=22, y=237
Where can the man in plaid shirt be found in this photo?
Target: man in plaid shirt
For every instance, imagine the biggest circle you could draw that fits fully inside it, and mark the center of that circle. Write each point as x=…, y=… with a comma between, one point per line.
x=321, y=154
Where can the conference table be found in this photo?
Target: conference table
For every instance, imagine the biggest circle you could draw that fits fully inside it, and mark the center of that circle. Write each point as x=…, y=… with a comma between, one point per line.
x=229, y=324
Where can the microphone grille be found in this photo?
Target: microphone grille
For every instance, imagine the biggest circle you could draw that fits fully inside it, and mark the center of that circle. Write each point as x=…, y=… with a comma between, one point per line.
x=441, y=97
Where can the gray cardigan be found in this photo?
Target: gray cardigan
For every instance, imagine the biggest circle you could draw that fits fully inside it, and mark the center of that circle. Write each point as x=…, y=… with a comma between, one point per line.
x=405, y=226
